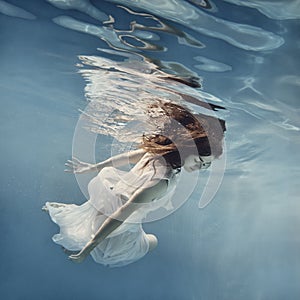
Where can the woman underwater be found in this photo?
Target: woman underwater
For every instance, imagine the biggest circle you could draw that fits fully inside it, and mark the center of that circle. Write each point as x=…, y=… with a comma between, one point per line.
x=108, y=226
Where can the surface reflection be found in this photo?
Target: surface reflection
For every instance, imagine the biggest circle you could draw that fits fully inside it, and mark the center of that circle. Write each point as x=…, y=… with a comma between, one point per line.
x=15, y=11
x=240, y=35
x=276, y=9
x=128, y=87
x=84, y=6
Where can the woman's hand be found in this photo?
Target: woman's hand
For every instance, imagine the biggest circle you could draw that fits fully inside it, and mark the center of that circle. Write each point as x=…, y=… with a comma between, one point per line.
x=78, y=258
x=78, y=167
x=81, y=256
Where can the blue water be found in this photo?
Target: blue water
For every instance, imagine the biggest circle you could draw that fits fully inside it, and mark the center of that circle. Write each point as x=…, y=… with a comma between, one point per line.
x=245, y=243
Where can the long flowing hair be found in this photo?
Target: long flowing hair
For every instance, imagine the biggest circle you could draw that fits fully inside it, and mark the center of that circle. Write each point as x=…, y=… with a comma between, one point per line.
x=184, y=133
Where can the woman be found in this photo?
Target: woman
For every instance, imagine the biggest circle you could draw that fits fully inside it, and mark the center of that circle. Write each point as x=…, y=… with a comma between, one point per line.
x=108, y=226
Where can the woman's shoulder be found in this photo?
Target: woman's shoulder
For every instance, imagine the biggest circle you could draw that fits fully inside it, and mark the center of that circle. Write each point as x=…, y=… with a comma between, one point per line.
x=157, y=167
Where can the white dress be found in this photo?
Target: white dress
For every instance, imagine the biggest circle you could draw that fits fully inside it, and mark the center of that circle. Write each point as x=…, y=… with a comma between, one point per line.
x=108, y=191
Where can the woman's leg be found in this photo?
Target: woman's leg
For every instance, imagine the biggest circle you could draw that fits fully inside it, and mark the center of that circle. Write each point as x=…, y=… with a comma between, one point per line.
x=152, y=241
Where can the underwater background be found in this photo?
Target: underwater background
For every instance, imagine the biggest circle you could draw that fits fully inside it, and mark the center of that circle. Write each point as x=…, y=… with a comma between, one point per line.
x=245, y=54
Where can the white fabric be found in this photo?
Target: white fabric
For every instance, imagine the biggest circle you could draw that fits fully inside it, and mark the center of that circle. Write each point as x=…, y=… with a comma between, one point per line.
x=108, y=191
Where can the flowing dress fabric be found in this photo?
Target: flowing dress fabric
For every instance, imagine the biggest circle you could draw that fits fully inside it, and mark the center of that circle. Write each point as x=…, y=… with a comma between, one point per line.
x=108, y=191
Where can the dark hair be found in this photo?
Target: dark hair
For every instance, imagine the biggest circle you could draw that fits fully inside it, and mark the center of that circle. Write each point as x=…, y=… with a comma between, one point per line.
x=184, y=133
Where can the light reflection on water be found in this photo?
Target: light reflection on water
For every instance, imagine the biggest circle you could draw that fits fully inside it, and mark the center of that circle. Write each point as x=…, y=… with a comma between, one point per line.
x=244, y=245
x=240, y=35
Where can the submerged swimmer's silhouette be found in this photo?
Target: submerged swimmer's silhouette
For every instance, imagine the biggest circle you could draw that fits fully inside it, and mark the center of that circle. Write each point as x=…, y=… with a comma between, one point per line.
x=109, y=225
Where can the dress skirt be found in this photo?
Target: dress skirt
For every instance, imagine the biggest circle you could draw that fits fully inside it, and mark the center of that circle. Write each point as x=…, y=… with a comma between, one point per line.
x=108, y=190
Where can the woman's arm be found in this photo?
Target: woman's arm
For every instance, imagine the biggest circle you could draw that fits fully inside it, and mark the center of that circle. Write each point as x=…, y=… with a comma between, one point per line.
x=78, y=167
x=144, y=195
x=131, y=157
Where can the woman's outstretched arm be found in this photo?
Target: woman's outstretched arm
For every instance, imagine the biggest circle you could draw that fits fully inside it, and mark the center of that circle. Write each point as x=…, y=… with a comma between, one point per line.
x=142, y=196
x=78, y=167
